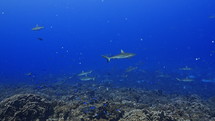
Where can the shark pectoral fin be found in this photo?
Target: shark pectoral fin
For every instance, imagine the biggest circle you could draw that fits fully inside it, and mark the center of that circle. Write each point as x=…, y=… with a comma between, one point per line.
x=122, y=51
x=108, y=58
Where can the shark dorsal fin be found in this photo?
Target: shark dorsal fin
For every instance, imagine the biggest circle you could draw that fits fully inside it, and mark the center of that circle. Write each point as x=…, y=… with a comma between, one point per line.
x=122, y=51
x=37, y=25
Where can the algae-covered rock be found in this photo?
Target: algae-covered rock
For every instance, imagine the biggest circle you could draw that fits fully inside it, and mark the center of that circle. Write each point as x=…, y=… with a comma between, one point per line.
x=25, y=107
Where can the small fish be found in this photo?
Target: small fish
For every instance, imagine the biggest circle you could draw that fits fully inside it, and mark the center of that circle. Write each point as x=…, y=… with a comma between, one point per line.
x=122, y=55
x=37, y=28
x=163, y=76
x=87, y=78
x=39, y=38
x=129, y=69
x=208, y=80
x=185, y=79
x=186, y=68
x=29, y=74
x=85, y=73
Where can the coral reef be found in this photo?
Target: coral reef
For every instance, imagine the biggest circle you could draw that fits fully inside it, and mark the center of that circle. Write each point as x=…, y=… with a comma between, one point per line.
x=96, y=102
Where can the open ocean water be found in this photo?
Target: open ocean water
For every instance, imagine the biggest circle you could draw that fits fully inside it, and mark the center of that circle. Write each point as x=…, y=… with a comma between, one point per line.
x=107, y=60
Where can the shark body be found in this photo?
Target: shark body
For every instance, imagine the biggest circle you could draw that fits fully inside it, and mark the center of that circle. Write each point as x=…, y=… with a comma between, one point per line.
x=122, y=55
x=85, y=73
x=37, y=28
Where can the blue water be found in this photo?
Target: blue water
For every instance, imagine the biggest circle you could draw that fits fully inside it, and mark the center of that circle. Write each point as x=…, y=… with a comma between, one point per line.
x=165, y=34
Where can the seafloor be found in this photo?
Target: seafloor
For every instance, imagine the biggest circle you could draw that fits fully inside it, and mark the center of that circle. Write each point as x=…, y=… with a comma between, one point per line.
x=93, y=101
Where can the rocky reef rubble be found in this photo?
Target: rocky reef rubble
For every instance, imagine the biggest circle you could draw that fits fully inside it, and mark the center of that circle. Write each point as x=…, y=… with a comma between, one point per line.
x=91, y=102
x=178, y=109
x=103, y=111
x=146, y=115
x=25, y=107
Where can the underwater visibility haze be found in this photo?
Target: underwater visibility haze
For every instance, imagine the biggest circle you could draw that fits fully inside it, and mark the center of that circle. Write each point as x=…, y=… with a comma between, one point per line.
x=114, y=60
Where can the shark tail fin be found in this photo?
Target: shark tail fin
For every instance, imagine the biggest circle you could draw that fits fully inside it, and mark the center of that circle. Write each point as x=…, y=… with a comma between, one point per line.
x=108, y=58
x=122, y=51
